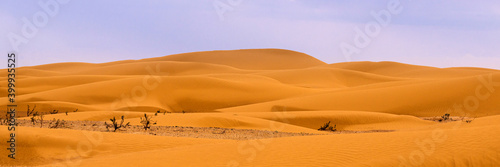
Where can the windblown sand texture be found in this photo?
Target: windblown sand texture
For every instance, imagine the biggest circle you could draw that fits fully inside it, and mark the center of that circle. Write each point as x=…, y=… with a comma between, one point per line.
x=282, y=95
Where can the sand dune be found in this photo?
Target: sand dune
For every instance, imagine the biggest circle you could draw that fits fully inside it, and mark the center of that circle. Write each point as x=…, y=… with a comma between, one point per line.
x=421, y=98
x=344, y=120
x=321, y=77
x=377, y=109
x=410, y=71
x=449, y=148
x=254, y=59
x=441, y=145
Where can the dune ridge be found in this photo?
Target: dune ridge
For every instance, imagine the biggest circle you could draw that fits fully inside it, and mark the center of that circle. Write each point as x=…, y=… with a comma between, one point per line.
x=377, y=108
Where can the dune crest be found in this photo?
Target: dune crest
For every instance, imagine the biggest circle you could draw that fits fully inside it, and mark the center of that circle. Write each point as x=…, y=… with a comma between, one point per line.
x=378, y=112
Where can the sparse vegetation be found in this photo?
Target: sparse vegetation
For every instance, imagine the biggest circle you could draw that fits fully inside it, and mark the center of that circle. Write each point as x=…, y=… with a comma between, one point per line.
x=29, y=112
x=33, y=118
x=445, y=117
x=114, y=124
x=147, y=122
x=57, y=123
x=328, y=127
x=37, y=117
x=470, y=120
x=54, y=111
x=40, y=117
x=448, y=118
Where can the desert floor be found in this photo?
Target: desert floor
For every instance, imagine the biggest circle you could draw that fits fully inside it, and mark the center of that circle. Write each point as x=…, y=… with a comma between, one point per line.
x=259, y=107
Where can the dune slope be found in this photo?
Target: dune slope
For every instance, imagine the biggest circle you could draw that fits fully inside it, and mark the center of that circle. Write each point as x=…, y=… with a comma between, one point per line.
x=381, y=113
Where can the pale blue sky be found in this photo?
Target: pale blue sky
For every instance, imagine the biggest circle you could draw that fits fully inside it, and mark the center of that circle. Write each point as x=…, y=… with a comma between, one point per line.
x=442, y=34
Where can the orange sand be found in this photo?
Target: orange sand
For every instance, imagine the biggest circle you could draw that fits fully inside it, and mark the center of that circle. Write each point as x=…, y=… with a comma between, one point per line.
x=262, y=89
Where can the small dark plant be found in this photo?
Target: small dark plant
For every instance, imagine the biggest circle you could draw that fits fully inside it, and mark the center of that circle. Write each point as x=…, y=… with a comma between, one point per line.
x=29, y=112
x=57, y=123
x=54, y=112
x=445, y=117
x=40, y=117
x=114, y=124
x=156, y=114
x=333, y=128
x=33, y=119
x=470, y=120
x=147, y=122
x=328, y=127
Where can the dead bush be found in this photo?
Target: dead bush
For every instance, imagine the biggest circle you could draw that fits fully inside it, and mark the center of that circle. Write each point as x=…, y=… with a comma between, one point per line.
x=328, y=127
x=147, y=122
x=115, y=125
